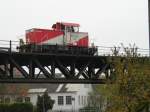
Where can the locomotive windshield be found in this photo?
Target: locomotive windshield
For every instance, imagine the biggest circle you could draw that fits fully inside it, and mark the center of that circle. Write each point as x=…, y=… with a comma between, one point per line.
x=69, y=27
x=72, y=29
x=76, y=29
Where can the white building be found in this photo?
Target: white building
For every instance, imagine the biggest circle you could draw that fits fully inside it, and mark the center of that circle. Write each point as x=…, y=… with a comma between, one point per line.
x=68, y=97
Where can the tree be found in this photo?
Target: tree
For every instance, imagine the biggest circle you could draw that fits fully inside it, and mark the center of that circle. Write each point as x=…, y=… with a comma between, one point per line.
x=5, y=89
x=20, y=90
x=130, y=91
x=44, y=103
x=95, y=101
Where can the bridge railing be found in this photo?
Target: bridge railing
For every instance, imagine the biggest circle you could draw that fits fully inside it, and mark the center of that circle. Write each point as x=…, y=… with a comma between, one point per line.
x=11, y=46
x=8, y=45
x=122, y=51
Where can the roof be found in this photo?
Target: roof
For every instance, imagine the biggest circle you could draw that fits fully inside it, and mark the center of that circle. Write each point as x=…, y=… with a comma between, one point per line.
x=67, y=88
x=70, y=24
x=14, y=88
x=37, y=90
x=40, y=88
x=51, y=88
x=73, y=87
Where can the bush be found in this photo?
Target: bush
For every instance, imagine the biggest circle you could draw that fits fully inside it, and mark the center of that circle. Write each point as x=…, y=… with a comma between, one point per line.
x=22, y=107
x=90, y=109
x=4, y=108
x=16, y=107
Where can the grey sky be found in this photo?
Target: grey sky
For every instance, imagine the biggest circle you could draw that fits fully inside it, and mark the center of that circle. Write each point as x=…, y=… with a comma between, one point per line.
x=109, y=22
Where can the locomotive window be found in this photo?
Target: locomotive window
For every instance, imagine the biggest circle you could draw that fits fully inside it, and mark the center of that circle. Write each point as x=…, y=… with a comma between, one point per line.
x=54, y=26
x=76, y=29
x=72, y=29
x=62, y=27
x=68, y=29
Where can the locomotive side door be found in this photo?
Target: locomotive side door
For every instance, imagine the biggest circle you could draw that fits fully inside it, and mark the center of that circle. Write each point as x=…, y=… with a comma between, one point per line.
x=67, y=36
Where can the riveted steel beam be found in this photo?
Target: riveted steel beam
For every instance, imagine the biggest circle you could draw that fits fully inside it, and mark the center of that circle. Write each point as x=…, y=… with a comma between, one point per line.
x=53, y=68
x=82, y=71
x=11, y=71
x=54, y=81
x=72, y=69
x=31, y=69
x=45, y=72
x=101, y=70
x=2, y=71
x=63, y=69
x=24, y=73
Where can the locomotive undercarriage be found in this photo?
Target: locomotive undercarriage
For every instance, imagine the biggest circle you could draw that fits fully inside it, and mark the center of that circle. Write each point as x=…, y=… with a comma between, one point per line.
x=58, y=49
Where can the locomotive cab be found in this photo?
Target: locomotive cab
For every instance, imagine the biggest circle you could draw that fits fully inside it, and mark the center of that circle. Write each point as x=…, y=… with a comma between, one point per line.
x=71, y=34
x=66, y=27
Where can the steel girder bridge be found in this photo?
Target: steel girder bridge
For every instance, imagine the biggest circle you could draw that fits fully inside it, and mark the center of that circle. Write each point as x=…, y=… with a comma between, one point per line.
x=18, y=67
x=30, y=67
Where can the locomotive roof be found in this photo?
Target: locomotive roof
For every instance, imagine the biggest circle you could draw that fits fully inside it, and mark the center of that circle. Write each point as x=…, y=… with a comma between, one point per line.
x=70, y=24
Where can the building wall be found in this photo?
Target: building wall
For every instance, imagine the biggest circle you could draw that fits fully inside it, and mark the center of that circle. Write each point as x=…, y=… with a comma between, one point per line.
x=65, y=106
x=80, y=98
x=33, y=97
x=83, y=95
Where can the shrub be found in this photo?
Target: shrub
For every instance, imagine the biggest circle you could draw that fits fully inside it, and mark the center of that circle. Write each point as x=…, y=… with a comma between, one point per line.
x=4, y=108
x=16, y=107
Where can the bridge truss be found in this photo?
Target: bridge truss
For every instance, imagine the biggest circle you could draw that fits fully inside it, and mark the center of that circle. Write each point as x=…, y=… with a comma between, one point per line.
x=18, y=67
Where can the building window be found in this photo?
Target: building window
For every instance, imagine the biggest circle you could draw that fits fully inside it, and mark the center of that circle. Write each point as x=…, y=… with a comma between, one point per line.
x=79, y=99
x=7, y=100
x=60, y=100
x=68, y=100
x=19, y=100
x=85, y=100
x=27, y=99
x=82, y=100
x=1, y=99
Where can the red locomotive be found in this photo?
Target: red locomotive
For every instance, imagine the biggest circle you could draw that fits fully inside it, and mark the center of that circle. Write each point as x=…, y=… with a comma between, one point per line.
x=62, y=38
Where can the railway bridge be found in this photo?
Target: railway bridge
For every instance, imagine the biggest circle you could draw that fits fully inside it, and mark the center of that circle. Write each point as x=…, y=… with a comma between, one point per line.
x=30, y=67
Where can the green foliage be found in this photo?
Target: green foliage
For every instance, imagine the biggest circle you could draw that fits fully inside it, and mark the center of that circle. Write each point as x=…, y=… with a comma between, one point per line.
x=90, y=109
x=16, y=107
x=4, y=108
x=44, y=103
x=130, y=91
x=95, y=101
x=22, y=107
x=20, y=90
